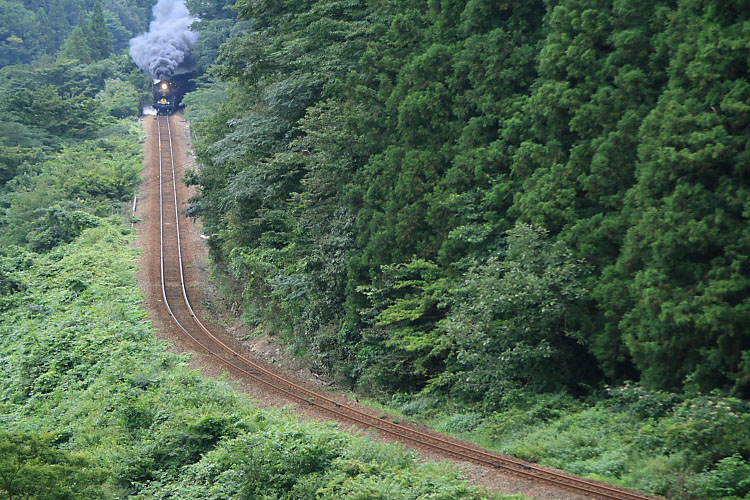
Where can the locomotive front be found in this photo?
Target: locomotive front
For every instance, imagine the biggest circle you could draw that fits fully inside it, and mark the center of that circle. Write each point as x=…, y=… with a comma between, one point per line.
x=165, y=97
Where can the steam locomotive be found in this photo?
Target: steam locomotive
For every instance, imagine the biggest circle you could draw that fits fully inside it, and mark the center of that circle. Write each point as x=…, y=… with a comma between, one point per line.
x=166, y=94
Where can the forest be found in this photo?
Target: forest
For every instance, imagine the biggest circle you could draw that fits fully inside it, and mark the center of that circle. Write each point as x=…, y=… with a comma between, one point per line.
x=469, y=208
x=468, y=198
x=82, y=30
x=521, y=223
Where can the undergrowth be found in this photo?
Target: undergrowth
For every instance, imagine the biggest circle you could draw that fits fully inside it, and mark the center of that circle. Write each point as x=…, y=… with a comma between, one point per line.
x=686, y=447
x=88, y=395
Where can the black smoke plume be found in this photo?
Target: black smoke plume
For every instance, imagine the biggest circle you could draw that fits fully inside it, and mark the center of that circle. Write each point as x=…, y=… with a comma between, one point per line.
x=168, y=41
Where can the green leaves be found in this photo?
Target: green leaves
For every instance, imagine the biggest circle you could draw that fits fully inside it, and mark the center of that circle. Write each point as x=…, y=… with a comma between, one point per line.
x=58, y=224
x=84, y=366
x=120, y=99
x=406, y=302
x=511, y=319
x=73, y=115
x=31, y=467
x=684, y=252
x=70, y=192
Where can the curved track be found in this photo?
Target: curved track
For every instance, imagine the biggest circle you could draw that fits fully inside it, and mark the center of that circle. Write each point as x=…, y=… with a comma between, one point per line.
x=178, y=306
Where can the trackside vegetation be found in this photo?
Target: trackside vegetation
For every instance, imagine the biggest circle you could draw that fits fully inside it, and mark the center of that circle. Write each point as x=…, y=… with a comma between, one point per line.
x=522, y=220
x=91, y=405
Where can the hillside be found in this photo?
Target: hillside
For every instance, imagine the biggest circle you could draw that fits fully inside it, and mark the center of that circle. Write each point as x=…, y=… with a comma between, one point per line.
x=522, y=223
x=484, y=210
x=574, y=170
x=92, y=406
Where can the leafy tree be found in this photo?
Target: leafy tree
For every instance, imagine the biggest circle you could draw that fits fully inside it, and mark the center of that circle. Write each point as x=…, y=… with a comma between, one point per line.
x=74, y=115
x=402, y=348
x=12, y=157
x=120, y=99
x=58, y=224
x=18, y=34
x=728, y=480
x=211, y=10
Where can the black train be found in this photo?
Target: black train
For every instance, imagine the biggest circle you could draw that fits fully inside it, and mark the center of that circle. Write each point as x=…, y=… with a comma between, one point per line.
x=166, y=94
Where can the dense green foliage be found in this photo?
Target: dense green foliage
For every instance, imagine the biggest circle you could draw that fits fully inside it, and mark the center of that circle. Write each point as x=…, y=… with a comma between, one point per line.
x=91, y=404
x=467, y=200
x=31, y=467
x=86, y=30
x=472, y=196
x=487, y=208
x=88, y=393
x=51, y=106
x=676, y=446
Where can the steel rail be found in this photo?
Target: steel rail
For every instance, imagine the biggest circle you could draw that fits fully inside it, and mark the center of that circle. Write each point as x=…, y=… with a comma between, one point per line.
x=304, y=395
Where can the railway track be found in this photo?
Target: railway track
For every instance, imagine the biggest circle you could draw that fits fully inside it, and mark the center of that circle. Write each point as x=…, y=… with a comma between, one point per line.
x=178, y=306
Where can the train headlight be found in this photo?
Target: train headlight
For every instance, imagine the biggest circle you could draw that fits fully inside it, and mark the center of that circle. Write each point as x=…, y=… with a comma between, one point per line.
x=164, y=86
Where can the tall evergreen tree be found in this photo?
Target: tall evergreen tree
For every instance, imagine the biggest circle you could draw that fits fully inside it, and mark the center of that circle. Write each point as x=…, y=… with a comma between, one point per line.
x=76, y=47
x=84, y=22
x=45, y=38
x=620, y=126
x=58, y=24
x=685, y=262
x=100, y=43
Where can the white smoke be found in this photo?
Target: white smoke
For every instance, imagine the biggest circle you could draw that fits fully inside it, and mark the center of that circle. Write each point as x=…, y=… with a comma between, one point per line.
x=168, y=41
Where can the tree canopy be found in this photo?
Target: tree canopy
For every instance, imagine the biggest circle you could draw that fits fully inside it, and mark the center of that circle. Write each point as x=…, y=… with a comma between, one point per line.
x=85, y=30
x=372, y=163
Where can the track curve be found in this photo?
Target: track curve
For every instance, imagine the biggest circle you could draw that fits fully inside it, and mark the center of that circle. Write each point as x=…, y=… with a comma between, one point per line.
x=180, y=310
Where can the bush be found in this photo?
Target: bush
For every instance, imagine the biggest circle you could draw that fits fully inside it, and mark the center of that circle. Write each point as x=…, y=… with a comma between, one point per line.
x=32, y=467
x=642, y=402
x=119, y=99
x=513, y=318
x=729, y=479
x=417, y=406
x=59, y=224
x=460, y=422
x=710, y=428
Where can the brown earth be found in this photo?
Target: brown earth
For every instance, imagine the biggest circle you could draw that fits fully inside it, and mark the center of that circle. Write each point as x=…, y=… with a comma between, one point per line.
x=222, y=318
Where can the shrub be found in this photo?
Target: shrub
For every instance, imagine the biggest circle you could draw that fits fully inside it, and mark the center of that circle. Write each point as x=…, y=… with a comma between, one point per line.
x=460, y=422
x=59, y=224
x=729, y=479
x=642, y=402
x=710, y=428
